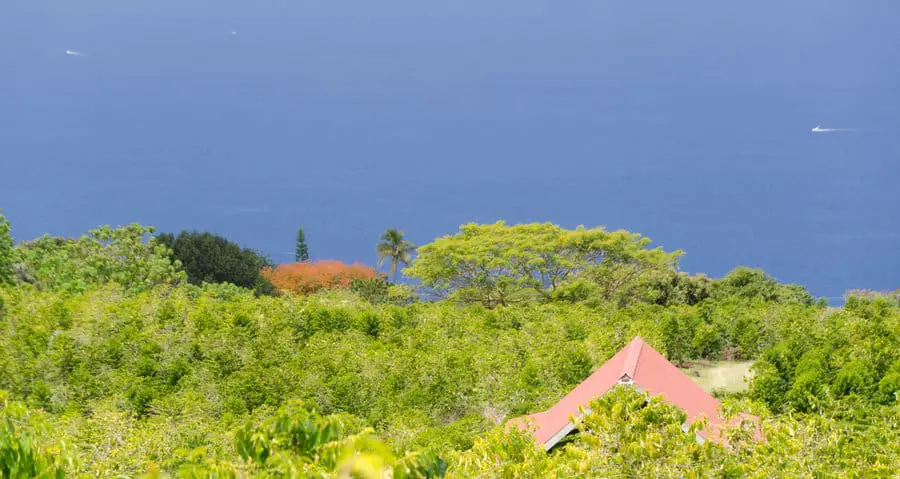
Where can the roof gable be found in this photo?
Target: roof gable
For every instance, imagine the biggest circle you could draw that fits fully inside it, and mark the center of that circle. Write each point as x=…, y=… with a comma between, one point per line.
x=656, y=375
x=637, y=365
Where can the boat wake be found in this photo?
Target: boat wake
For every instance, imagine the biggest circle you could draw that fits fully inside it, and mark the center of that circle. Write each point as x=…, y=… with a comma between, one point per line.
x=819, y=129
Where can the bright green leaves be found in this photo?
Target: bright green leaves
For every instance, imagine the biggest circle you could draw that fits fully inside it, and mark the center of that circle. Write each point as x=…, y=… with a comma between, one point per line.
x=163, y=380
x=295, y=442
x=753, y=283
x=628, y=434
x=499, y=264
x=846, y=353
x=127, y=256
x=27, y=448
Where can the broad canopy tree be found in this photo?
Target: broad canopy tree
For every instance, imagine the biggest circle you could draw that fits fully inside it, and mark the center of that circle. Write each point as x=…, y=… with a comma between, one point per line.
x=500, y=264
x=127, y=255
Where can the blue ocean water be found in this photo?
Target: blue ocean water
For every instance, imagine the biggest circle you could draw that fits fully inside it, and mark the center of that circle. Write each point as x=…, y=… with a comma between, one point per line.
x=689, y=122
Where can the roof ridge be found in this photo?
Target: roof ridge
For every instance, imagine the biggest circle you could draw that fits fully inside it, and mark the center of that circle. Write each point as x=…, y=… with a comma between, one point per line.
x=634, y=354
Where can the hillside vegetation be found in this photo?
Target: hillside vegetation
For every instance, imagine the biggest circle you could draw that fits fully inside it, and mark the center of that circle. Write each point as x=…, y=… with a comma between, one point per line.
x=113, y=364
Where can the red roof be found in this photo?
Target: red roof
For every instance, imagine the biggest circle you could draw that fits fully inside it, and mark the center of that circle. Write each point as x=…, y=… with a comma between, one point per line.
x=637, y=365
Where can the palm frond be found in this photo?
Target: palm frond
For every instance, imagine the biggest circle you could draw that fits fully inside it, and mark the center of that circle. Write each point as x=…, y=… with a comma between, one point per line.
x=395, y=248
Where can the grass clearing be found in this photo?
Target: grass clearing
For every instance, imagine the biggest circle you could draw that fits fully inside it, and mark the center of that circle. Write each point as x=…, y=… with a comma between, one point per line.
x=730, y=376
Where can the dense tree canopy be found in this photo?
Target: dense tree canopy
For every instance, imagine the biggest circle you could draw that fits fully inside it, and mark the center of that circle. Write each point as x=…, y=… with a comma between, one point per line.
x=855, y=352
x=122, y=371
x=210, y=258
x=499, y=264
x=176, y=372
x=755, y=283
x=128, y=256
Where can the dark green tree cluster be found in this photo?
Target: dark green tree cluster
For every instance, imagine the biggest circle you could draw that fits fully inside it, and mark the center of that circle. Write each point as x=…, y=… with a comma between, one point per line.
x=210, y=258
x=301, y=249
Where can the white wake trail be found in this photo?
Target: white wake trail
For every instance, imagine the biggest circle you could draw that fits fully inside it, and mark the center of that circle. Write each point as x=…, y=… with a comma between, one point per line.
x=819, y=129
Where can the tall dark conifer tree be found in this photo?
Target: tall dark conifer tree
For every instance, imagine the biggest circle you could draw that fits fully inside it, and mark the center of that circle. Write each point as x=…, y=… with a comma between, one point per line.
x=302, y=250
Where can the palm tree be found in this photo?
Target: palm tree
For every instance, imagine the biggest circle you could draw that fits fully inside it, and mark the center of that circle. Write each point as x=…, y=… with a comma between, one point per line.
x=395, y=248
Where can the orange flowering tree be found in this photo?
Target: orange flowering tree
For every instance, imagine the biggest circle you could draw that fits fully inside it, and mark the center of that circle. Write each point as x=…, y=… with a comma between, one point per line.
x=306, y=278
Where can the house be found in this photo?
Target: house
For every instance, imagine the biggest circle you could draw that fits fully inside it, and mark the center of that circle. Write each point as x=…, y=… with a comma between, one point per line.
x=639, y=366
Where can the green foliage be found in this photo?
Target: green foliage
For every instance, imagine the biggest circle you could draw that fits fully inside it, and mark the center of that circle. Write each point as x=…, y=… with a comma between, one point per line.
x=892, y=297
x=27, y=449
x=296, y=432
x=6, y=252
x=141, y=373
x=625, y=434
x=401, y=294
x=573, y=365
x=394, y=248
x=708, y=341
x=301, y=249
x=295, y=442
x=850, y=352
x=179, y=368
x=378, y=290
x=373, y=290
x=127, y=256
x=756, y=284
x=498, y=265
x=889, y=386
x=678, y=288
x=209, y=258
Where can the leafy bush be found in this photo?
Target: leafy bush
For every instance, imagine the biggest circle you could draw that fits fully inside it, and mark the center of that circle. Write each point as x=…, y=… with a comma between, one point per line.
x=307, y=278
x=373, y=290
x=127, y=256
x=296, y=442
x=851, y=352
x=27, y=448
x=753, y=283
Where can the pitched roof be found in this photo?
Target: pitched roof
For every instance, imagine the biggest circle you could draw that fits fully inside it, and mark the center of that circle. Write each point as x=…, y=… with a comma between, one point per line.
x=637, y=365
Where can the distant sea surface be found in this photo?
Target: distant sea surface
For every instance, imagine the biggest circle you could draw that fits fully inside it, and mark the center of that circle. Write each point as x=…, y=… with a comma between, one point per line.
x=689, y=122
